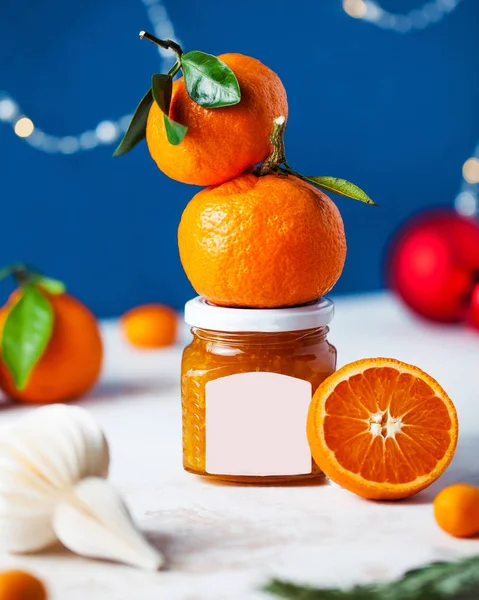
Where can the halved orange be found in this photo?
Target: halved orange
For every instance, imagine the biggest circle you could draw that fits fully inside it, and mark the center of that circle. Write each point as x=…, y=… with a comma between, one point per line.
x=382, y=429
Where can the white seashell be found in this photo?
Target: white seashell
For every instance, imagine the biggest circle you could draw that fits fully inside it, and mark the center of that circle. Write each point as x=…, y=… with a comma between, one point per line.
x=60, y=443
x=53, y=462
x=47, y=450
x=93, y=521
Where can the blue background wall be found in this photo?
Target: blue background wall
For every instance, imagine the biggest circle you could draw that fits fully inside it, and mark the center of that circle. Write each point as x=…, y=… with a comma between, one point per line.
x=396, y=114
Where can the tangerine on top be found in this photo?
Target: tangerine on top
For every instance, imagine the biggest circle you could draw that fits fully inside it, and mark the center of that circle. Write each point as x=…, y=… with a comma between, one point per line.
x=220, y=143
x=262, y=242
x=382, y=429
x=71, y=363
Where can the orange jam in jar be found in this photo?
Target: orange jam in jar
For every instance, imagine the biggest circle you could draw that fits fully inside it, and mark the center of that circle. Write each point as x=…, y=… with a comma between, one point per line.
x=247, y=381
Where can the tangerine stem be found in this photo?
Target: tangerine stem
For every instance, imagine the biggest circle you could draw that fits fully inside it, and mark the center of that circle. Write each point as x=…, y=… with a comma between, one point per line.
x=166, y=44
x=175, y=68
x=18, y=270
x=278, y=155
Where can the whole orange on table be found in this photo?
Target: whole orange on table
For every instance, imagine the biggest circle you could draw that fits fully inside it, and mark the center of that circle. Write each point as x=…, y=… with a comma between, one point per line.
x=221, y=143
x=456, y=509
x=21, y=585
x=262, y=242
x=71, y=362
x=382, y=429
x=150, y=326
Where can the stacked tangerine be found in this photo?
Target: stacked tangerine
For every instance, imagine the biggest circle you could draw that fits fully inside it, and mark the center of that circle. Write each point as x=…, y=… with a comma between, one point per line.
x=258, y=236
x=262, y=235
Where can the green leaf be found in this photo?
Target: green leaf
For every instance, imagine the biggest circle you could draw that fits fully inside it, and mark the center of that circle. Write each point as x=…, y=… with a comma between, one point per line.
x=162, y=87
x=441, y=580
x=209, y=81
x=26, y=333
x=339, y=186
x=52, y=286
x=137, y=128
x=174, y=131
x=283, y=589
x=437, y=581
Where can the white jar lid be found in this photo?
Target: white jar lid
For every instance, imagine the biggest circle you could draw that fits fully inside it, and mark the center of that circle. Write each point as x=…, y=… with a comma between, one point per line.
x=199, y=313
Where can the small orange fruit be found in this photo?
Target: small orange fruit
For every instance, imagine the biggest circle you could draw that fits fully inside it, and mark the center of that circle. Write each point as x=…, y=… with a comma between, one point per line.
x=456, y=509
x=382, y=429
x=20, y=585
x=262, y=242
x=220, y=143
x=150, y=326
x=71, y=363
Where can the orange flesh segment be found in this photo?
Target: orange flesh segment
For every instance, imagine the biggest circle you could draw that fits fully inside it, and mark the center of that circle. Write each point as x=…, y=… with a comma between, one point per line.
x=387, y=426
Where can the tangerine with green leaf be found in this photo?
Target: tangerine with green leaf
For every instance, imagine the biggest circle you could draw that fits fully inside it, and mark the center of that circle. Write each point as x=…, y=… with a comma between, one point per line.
x=220, y=143
x=268, y=238
x=214, y=123
x=51, y=348
x=211, y=124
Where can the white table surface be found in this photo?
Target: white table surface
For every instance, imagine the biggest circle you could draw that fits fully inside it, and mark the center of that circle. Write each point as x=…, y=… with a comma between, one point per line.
x=223, y=541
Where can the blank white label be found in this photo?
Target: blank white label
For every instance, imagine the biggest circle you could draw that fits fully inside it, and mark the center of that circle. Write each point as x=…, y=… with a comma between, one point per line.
x=256, y=425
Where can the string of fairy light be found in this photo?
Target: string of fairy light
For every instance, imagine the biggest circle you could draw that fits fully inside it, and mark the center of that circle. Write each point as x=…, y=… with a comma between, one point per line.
x=467, y=200
x=417, y=19
x=108, y=132
x=105, y=132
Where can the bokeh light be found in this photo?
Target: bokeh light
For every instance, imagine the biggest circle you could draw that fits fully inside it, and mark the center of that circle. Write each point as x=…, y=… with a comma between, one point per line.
x=24, y=127
x=466, y=204
x=107, y=132
x=8, y=109
x=355, y=8
x=470, y=170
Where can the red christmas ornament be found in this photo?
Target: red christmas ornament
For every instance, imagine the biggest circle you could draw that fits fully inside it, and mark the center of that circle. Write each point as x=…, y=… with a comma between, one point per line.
x=473, y=316
x=434, y=266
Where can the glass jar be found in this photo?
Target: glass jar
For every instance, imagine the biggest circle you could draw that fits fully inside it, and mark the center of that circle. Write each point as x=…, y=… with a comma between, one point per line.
x=247, y=381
